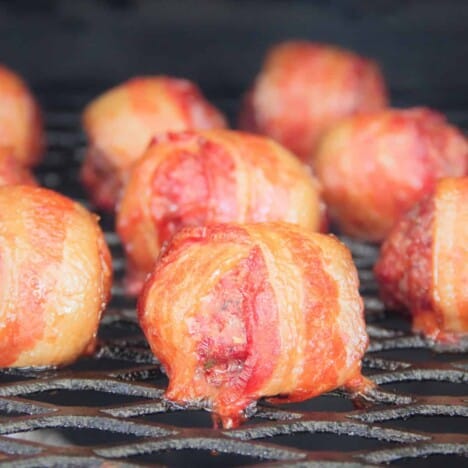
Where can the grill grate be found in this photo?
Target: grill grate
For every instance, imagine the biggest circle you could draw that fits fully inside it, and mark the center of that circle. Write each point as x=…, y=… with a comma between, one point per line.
x=110, y=407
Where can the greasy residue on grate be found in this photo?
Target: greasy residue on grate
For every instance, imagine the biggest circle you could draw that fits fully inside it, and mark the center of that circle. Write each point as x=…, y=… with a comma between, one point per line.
x=110, y=407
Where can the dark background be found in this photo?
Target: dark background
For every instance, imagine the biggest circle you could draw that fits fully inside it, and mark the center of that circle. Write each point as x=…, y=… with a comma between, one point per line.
x=422, y=45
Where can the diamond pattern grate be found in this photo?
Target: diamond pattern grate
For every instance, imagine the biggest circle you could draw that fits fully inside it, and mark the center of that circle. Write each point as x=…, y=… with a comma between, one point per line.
x=108, y=410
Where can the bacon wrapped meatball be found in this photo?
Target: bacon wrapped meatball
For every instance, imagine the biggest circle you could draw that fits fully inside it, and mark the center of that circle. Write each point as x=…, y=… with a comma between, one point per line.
x=11, y=170
x=55, y=278
x=304, y=88
x=375, y=166
x=120, y=124
x=239, y=312
x=197, y=178
x=21, y=126
x=423, y=264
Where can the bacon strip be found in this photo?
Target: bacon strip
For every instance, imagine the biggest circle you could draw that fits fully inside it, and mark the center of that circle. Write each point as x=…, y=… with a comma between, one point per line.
x=240, y=312
x=55, y=271
x=375, y=166
x=197, y=178
x=303, y=88
x=21, y=126
x=423, y=264
x=450, y=253
x=121, y=123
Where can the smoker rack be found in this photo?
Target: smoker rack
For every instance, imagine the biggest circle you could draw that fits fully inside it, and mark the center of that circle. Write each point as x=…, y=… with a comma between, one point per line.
x=109, y=410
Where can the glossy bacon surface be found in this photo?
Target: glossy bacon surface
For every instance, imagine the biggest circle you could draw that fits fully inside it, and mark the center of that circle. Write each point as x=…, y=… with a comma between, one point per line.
x=121, y=123
x=197, y=178
x=303, y=88
x=12, y=172
x=55, y=278
x=239, y=312
x=375, y=166
x=21, y=126
x=423, y=264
